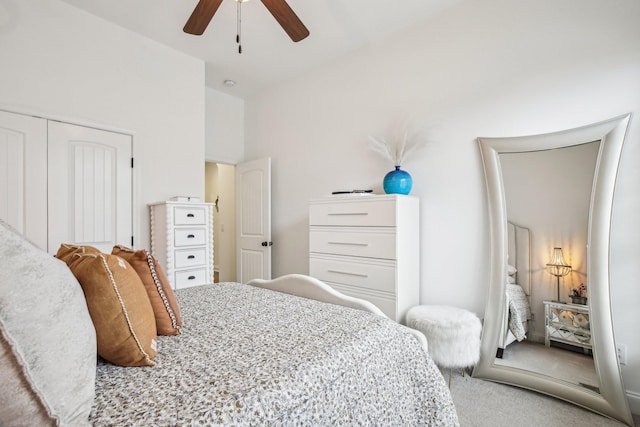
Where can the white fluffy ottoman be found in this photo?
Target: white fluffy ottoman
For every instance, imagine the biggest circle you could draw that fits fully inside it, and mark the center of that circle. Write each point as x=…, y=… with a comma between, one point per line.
x=453, y=334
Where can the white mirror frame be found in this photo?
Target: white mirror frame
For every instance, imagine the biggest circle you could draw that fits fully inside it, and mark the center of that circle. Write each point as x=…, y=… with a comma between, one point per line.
x=612, y=400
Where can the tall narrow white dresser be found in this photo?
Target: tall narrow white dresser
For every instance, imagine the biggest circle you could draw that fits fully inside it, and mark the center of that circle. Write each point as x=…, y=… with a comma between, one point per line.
x=368, y=246
x=182, y=241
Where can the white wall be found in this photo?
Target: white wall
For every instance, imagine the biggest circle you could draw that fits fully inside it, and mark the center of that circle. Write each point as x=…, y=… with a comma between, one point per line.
x=60, y=62
x=224, y=127
x=482, y=68
x=224, y=135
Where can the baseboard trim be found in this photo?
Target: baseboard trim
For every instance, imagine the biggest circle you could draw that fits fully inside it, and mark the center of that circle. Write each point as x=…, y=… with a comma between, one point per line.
x=634, y=401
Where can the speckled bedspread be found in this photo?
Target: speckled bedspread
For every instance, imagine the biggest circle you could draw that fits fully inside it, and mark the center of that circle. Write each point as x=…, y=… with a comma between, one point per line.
x=250, y=356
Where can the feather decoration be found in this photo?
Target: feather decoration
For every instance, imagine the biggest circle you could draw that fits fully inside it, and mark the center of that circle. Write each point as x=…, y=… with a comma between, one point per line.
x=398, y=150
x=381, y=146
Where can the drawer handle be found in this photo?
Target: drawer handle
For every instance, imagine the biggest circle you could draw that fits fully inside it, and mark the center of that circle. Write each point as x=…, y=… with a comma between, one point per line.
x=348, y=243
x=348, y=213
x=190, y=215
x=348, y=273
x=191, y=257
x=190, y=236
x=191, y=277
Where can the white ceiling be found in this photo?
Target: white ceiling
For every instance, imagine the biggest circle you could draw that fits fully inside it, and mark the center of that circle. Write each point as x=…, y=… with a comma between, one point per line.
x=337, y=28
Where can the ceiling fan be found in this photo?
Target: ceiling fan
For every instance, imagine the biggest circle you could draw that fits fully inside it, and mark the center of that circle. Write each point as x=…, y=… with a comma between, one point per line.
x=281, y=11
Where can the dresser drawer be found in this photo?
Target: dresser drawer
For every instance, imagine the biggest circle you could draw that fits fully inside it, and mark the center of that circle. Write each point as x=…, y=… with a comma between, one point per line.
x=194, y=277
x=359, y=213
x=188, y=215
x=190, y=257
x=190, y=236
x=356, y=241
x=385, y=303
x=380, y=275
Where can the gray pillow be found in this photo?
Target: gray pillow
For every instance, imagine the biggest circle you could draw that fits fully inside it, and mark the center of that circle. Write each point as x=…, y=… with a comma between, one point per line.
x=47, y=340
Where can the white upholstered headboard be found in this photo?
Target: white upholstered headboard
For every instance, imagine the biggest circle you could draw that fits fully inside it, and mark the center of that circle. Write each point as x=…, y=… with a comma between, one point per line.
x=519, y=250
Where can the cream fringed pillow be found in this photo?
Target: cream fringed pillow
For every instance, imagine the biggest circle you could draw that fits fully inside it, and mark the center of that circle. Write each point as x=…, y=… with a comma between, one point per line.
x=47, y=339
x=163, y=301
x=119, y=307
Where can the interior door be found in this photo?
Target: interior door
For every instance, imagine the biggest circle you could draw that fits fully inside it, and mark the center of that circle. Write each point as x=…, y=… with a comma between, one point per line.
x=253, y=199
x=89, y=187
x=23, y=175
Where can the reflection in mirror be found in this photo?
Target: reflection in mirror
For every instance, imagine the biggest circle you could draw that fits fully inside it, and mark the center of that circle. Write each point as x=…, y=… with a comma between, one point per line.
x=550, y=200
x=549, y=191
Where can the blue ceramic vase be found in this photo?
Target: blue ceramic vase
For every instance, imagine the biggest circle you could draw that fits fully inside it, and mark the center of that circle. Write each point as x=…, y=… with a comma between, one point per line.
x=397, y=182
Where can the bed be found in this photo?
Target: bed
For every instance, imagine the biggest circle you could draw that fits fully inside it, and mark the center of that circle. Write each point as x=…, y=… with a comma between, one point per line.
x=515, y=321
x=246, y=354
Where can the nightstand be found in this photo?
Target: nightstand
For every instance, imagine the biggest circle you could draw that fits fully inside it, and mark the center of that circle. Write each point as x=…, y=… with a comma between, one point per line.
x=567, y=323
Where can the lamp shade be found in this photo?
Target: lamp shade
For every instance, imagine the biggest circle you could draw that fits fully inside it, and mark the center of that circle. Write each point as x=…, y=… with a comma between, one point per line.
x=558, y=266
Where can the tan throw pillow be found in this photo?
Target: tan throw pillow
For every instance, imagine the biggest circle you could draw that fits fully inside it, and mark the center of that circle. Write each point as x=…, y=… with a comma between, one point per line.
x=47, y=339
x=163, y=300
x=119, y=307
x=66, y=251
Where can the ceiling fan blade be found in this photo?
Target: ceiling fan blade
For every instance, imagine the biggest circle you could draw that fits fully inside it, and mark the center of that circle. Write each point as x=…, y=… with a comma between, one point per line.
x=287, y=19
x=201, y=16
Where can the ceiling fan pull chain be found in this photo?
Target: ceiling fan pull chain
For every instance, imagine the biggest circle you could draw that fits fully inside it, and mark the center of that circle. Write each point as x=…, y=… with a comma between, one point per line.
x=239, y=28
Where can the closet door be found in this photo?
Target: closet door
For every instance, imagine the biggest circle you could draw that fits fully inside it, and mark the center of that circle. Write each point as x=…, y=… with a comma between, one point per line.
x=89, y=187
x=23, y=175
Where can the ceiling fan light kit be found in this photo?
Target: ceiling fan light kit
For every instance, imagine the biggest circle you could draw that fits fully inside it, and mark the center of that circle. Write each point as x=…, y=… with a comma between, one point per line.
x=279, y=9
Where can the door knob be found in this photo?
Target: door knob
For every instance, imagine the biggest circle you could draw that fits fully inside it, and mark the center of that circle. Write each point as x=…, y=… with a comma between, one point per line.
x=267, y=243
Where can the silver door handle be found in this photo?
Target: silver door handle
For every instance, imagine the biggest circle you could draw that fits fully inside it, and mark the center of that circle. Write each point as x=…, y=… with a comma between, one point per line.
x=348, y=243
x=348, y=273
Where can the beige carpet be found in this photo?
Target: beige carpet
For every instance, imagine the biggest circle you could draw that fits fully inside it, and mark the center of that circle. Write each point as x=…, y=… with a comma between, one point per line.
x=573, y=367
x=483, y=403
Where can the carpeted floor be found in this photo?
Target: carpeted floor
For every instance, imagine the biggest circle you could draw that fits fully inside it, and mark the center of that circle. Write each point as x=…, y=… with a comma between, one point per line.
x=483, y=403
x=574, y=367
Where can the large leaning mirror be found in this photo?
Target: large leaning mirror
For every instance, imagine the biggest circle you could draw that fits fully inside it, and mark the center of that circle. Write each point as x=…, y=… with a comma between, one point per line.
x=548, y=324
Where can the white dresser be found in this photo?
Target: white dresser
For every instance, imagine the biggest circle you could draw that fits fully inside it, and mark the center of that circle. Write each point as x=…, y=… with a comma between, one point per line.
x=182, y=241
x=368, y=246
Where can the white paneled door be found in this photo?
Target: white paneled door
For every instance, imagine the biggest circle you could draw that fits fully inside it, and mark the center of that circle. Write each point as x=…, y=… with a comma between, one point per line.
x=23, y=175
x=89, y=187
x=253, y=200
x=63, y=183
